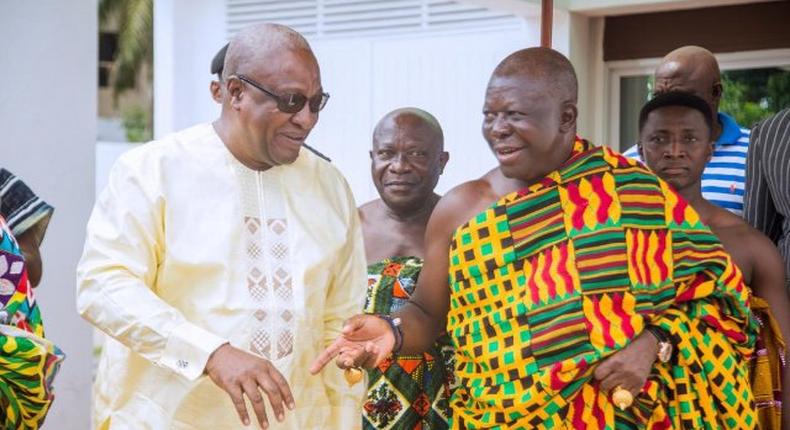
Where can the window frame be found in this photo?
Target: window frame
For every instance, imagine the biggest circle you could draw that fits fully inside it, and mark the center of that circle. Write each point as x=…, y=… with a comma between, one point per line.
x=614, y=70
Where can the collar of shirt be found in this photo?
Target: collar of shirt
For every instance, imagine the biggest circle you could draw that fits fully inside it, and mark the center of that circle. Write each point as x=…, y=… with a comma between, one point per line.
x=730, y=130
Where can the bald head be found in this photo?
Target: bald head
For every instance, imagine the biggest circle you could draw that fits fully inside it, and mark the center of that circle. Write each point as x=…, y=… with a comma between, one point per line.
x=407, y=159
x=414, y=119
x=690, y=69
x=258, y=45
x=691, y=61
x=542, y=65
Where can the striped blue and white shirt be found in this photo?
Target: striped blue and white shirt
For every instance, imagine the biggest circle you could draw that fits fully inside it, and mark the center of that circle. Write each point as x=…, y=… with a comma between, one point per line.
x=725, y=175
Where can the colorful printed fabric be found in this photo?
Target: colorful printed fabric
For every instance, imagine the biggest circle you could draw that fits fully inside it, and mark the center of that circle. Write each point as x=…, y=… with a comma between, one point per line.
x=553, y=279
x=411, y=391
x=28, y=362
x=767, y=364
x=20, y=206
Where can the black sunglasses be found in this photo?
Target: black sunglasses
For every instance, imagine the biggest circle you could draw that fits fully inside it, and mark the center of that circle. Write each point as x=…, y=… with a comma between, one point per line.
x=291, y=103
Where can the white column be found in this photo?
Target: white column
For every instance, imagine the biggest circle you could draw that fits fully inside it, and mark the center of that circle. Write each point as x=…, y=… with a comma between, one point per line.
x=187, y=34
x=164, y=67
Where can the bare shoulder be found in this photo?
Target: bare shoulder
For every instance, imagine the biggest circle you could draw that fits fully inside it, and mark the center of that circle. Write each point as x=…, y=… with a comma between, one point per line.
x=736, y=230
x=368, y=210
x=462, y=203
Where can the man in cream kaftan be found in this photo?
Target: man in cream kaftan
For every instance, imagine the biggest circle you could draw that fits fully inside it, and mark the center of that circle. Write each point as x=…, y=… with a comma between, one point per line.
x=189, y=249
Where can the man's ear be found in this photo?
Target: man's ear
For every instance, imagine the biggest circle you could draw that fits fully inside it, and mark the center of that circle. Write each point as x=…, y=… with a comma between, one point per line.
x=717, y=91
x=371, y=154
x=568, y=117
x=444, y=156
x=640, y=151
x=234, y=90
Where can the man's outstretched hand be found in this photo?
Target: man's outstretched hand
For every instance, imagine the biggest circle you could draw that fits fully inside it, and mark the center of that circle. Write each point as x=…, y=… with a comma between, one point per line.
x=242, y=374
x=366, y=340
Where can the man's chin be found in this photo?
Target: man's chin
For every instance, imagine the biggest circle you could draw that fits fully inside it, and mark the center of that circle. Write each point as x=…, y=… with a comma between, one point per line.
x=677, y=185
x=288, y=158
x=512, y=172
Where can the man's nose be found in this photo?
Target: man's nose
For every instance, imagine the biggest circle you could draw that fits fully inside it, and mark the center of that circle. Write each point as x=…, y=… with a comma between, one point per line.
x=305, y=118
x=399, y=164
x=675, y=149
x=500, y=127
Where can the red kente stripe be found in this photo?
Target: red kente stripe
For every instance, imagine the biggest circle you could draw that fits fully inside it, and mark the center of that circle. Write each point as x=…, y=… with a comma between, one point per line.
x=619, y=310
x=606, y=199
x=546, y=275
x=562, y=269
x=659, y=254
x=679, y=211
x=632, y=256
x=646, y=268
x=607, y=336
x=577, y=218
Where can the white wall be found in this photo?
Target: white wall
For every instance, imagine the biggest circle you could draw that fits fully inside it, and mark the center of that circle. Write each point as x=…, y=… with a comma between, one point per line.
x=443, y=74
x=187, y=34
x=48, y=70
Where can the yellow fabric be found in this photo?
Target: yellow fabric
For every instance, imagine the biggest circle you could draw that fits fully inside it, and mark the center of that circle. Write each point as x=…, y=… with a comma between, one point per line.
x=553, y=279
x=767, y=367
x=166, y=274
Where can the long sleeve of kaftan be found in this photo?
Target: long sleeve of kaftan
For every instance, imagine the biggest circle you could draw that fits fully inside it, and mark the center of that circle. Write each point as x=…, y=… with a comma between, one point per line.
x=115, y=277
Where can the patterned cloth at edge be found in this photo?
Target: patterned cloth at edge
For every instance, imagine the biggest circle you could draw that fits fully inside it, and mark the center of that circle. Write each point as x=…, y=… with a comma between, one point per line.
x=412, y=391
x=551, y=280
x=21, y=207
x=28, y=362
x=766, y=370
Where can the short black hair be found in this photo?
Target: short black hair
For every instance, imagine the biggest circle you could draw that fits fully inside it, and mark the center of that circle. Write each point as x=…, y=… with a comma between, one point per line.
x=218, y=62
x=676, y=98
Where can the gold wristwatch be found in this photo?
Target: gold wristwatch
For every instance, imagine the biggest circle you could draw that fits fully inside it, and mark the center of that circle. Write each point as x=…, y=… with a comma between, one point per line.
x=664, y=345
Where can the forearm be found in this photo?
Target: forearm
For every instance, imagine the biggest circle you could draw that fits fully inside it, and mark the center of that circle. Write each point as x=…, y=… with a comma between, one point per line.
x=132, y=314
x=420, y=329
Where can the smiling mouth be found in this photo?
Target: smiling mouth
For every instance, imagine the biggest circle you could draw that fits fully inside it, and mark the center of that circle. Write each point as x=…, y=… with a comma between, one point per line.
x=506, y=150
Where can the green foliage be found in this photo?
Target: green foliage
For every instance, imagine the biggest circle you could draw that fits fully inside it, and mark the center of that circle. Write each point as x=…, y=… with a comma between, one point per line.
x=135, y=122
x=778, y=87
x=135, y=38
x=752, y=95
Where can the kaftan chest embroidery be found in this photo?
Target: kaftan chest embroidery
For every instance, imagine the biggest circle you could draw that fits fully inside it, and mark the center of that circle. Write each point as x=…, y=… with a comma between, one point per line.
x=269, y=279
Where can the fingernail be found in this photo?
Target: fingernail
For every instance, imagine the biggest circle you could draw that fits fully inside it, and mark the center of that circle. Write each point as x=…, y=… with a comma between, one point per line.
x=291, y=406
x=246, y=421
x=280, y=417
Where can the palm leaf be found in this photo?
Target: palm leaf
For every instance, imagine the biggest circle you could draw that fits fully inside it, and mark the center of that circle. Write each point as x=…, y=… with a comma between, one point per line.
x=135, y=38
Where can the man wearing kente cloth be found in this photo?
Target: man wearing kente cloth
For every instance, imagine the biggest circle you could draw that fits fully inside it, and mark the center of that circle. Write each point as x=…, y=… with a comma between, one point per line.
x=569, y=278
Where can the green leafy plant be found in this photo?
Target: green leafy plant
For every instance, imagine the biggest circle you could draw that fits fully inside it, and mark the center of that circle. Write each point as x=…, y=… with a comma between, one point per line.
x=136, y=122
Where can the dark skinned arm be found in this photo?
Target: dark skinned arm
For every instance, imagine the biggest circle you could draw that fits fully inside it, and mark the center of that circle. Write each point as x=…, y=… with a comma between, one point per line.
x=29, y=242
x=366, y=339
x=425, y=316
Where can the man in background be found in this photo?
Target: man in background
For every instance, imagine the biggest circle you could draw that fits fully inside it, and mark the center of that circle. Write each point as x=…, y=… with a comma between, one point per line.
x=694, y=70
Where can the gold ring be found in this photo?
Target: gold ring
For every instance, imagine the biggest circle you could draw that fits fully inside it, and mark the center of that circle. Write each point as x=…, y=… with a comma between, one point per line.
x=353, y=375
x=622, y=397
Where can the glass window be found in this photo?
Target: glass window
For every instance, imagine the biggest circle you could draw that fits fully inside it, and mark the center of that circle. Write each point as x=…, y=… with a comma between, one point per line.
x=635, y=91
x=749, y=95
